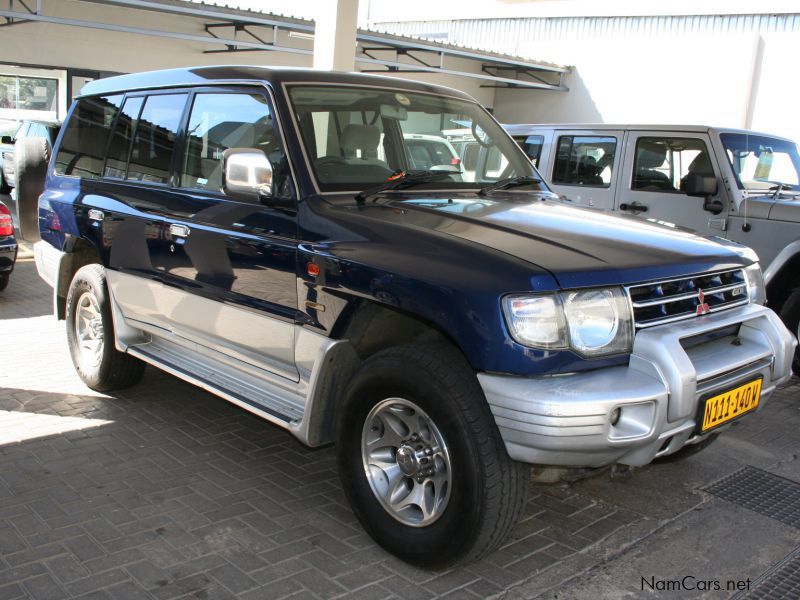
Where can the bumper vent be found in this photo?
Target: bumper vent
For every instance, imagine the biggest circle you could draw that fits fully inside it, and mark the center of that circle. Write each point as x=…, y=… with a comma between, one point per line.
x=688, y=297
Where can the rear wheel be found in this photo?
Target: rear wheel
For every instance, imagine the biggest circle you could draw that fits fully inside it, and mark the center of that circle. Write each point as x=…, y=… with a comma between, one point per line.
x=421, y=459
x=90, y=334
x=790, y=315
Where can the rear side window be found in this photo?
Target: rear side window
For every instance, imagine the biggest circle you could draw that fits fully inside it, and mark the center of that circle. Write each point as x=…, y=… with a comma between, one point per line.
x=585, y=160
x=532, y=146
x=80, y=153
x=154, y=140
x=662, y=163
x=119, y=147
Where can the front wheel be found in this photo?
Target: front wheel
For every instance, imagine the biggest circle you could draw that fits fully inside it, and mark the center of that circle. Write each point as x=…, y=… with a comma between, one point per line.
x=4, y=277
x=90, y=335
x=422, y=461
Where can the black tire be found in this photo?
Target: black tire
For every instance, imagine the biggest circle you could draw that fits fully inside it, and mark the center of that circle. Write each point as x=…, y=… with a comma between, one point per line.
x=487, y=490
x=113, y=369
x=31, y=156
x=4, y=277
x=688, y=451
x=790, y=315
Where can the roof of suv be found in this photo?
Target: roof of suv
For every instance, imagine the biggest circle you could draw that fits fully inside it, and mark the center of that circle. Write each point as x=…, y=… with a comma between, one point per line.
x=523, y=128
x=194, y=76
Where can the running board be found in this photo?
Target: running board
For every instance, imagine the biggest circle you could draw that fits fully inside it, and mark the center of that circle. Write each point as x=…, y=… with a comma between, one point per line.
x=259, y=395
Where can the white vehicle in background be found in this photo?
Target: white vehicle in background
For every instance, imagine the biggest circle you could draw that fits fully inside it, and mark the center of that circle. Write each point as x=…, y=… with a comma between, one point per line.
x=427, y=151
x=732, y=183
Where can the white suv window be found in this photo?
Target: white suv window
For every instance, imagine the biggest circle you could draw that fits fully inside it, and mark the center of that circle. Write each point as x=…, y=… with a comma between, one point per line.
x=662, y=163
x=584, y=160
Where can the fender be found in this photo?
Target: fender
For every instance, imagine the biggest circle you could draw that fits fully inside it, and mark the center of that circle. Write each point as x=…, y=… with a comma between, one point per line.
x=784, y=256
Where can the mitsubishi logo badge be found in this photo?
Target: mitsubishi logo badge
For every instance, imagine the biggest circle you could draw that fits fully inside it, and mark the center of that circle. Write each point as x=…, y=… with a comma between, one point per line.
x=702, y=308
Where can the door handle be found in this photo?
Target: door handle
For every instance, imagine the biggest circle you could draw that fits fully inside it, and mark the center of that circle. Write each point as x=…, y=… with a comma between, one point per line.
x=633, y=207
x=180, y=231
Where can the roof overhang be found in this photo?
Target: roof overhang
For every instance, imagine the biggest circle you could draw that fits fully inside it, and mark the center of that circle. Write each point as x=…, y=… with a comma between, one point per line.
x=233, y=30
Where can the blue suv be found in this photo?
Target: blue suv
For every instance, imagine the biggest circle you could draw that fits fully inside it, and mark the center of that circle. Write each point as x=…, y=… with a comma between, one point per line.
x=261, y=233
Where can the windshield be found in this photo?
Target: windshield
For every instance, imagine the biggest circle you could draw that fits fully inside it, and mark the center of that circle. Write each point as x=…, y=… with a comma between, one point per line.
x=760, y=162
x=356, y=137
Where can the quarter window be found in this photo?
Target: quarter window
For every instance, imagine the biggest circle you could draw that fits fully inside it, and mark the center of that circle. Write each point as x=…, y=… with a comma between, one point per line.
x=662, y=164
x=154, y=140
x=585, y=160
x=80, y=153
x=222, y=121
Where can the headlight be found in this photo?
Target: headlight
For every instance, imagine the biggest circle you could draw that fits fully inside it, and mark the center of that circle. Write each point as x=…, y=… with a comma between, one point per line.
x=599, y=321
x=755, y=284
x=591, y=322
x=536, y=321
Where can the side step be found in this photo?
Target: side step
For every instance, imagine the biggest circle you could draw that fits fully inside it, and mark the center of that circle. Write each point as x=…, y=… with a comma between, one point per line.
x=260, y=395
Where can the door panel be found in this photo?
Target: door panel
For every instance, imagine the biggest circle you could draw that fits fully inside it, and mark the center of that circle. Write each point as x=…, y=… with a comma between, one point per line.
x=655, y=167
x=237, y=251
x=217, y=270
x=584, y=166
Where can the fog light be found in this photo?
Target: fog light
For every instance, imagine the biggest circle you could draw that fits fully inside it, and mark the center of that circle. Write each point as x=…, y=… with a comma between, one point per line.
x=615, y=414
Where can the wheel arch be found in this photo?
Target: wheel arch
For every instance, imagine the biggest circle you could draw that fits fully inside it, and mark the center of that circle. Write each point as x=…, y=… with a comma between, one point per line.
x=782, y=278
x=365, y=328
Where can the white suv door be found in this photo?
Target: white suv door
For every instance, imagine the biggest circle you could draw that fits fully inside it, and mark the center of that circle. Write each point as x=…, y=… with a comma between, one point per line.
x=583, y=166
x=656, y=166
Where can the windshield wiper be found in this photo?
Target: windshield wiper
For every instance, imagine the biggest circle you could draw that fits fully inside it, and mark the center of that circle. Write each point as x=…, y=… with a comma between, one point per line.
x=505, y=184
x=781, y=187
x=404, y=179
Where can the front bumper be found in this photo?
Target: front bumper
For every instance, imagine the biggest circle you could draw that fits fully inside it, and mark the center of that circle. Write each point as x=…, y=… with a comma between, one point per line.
x=565, y=420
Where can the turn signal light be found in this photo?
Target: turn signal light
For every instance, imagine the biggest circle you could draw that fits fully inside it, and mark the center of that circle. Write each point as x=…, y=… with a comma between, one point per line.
x=6, y=224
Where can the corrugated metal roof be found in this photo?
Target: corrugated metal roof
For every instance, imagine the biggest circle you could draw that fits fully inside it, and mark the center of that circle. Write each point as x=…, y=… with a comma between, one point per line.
x=370, y=34
x=504, y=35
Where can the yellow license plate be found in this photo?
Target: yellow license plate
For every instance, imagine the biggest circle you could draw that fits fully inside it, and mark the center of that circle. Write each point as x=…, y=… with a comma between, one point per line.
x=733, y=403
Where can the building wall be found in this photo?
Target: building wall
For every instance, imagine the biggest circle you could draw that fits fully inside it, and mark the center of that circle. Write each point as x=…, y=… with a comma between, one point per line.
x=726, y=70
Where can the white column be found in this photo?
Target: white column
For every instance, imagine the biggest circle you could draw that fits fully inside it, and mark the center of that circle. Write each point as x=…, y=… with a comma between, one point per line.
x=335, y=35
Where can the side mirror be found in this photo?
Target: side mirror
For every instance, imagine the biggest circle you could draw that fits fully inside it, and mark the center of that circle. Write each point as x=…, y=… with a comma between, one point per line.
x=6, y=139
x=697, y=184
x=247, y=172
x=704, y=186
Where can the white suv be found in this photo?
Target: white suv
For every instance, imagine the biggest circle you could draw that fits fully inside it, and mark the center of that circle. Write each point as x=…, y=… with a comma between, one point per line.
x=736, y=184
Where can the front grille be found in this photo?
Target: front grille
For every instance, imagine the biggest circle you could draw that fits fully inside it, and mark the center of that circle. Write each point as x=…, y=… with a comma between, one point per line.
x=685, y=298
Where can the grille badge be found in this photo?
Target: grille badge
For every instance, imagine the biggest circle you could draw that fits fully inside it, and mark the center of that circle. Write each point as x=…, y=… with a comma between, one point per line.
x=702, y=308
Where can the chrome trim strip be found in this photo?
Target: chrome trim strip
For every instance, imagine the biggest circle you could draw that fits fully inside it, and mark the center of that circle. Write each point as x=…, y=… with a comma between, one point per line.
x=689, y=296
x=687, y=315
x=689, y=276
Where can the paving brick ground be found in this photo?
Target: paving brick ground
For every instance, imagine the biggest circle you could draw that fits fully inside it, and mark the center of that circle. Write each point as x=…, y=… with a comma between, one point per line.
x=164, y=491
